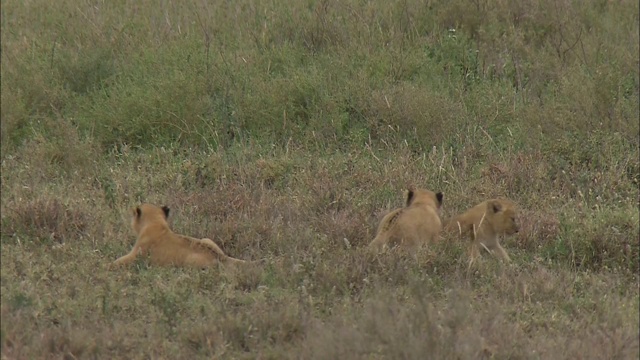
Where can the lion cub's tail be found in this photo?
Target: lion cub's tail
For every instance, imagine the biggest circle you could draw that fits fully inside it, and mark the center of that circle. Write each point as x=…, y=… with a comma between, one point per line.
x=233, y=261
x=228, y=260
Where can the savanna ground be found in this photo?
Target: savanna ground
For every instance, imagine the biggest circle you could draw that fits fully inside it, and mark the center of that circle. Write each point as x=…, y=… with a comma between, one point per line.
x=285, y=131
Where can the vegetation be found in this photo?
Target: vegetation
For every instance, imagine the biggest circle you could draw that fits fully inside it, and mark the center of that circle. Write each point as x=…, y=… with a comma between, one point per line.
x=285, y=131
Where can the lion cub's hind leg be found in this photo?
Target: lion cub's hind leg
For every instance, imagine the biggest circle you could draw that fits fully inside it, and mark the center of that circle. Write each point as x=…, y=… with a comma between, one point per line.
x=378, y=244
x=222, y=257
x=381, y=242
x=199, y=260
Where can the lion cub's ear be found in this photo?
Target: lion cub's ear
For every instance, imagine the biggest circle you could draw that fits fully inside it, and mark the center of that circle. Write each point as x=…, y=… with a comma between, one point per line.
x=439, y=197
x=494, y=206
x=165, y=208
x=136, y=212
x=410, y=195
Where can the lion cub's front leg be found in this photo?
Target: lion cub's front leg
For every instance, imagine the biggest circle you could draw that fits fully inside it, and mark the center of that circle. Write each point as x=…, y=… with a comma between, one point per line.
x=501, y=252
x=491, y=244
x=474, y=249
x=129, y=258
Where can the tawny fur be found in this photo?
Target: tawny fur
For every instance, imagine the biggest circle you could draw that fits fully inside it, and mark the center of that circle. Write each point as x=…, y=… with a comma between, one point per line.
x=484, y=224
x=164, y=247
x=416, y=224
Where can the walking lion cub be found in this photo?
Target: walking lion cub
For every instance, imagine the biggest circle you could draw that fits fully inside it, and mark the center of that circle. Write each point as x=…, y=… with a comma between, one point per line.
x=484, y=224
x=164, y=247
x=412, y=226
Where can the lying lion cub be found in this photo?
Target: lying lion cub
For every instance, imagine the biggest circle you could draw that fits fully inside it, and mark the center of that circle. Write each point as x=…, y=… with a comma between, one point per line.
x=410, y=227
x=165, y=247
x=484, y=224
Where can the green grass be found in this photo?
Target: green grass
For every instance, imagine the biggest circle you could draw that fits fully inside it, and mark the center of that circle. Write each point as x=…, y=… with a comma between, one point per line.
x=285, y=132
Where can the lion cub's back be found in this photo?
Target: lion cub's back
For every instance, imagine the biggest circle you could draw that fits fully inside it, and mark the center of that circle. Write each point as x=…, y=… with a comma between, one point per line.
x=426, y=220
x=417, y=226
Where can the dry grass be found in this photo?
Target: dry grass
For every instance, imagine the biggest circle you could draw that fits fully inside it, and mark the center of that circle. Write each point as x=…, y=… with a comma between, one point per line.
x=314, y=297
x=285, y=133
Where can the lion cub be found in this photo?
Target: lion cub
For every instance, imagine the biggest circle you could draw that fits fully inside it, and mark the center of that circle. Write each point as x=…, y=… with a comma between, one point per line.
x=165, y=247
x=412, y=226
x=484, y=224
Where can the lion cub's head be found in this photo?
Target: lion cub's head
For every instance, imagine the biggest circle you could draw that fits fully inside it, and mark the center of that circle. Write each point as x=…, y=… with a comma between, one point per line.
x=501, y=214
x=147, y=214
x=422, y=197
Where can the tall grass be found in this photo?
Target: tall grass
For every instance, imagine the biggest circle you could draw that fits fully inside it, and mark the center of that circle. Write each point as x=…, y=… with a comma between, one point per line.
x=286, y=131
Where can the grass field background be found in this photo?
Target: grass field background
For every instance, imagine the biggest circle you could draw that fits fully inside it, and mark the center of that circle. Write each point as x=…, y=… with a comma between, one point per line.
x=285, y=131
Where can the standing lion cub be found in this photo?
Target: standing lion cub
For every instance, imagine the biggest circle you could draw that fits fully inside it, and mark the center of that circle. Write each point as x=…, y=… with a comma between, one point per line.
x=410, y=227
x=165, y=247
x=484, y=224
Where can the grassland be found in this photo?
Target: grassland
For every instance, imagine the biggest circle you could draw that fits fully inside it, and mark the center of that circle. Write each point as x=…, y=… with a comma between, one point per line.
x=286, y=131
